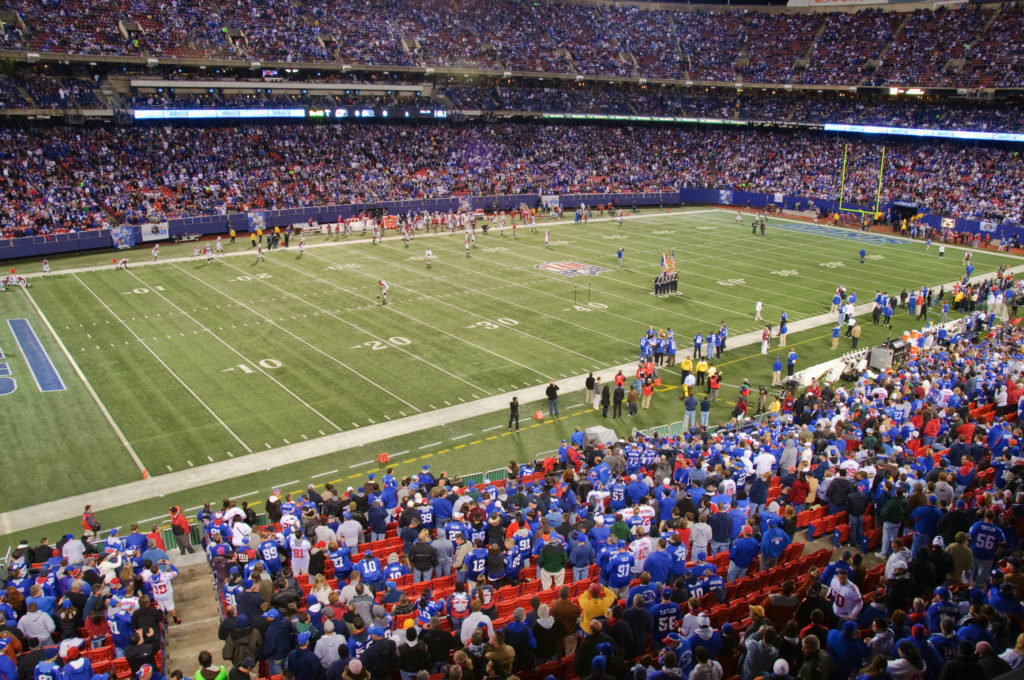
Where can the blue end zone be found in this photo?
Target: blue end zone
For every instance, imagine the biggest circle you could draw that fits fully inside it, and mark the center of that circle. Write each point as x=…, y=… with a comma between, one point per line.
x=43, y=370
x=843, y=233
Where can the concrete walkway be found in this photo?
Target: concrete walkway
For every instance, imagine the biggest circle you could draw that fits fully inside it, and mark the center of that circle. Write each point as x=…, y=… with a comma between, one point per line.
x=195, y=600
x=170, y=483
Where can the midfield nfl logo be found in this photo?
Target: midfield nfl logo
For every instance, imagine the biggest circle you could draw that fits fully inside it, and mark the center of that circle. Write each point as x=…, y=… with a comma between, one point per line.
x=571, y=268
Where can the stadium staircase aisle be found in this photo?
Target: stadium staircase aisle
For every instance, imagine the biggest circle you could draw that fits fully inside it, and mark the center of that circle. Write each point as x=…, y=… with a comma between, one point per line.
x=197, y=605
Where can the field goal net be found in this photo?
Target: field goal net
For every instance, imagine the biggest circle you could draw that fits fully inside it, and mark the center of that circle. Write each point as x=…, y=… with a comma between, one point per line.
x=863, y=176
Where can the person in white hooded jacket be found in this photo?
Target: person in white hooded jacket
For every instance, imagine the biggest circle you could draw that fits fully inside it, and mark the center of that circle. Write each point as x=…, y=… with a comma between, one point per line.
x=909, y=665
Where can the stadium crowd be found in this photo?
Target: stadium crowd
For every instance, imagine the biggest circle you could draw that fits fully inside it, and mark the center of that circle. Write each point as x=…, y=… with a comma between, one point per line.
x=830, y=66
x=964, y=47
x=912, y=59
x=64, y=178
x=650, y=557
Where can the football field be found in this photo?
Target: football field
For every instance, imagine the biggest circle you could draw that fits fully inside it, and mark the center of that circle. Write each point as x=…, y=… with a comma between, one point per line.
x=174, y=365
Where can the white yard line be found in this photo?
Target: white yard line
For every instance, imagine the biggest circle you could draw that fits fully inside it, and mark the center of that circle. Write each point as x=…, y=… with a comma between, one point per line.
x=166, y=367
x=255, y=366
x=507, y=302
x=709, y=263
x=538, y=291
x=302, y=340
x=88, y=386
x=696, y=299
x=756, y=251
x=411, y=355
x=392, y=310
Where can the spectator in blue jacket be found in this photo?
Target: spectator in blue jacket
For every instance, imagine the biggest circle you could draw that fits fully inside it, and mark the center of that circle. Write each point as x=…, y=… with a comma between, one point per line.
x=847, y=650
x=644, y=589
x=975, y=628
x=519, y=635
x=581, y=556
x=773, y=542
x=845, y=561
x=757, y=494
x=742, y=554
x=926, y=521
x=659, y=563
x=442, y=508
x=721, y=531
x=277, y=641
x=739, y=519
x=302, y=662
x=377, y=517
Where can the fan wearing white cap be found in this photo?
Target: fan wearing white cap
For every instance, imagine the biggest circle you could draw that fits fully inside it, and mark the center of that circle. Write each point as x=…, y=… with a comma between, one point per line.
x=899, y=554
x=705, y=636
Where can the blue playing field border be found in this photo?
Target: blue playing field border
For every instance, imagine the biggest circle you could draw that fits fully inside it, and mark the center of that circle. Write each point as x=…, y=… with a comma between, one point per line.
x=43, y=371
x=841, y=233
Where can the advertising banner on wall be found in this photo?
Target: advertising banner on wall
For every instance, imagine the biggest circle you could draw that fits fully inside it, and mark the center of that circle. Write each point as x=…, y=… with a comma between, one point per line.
x=834, y=3
x=122, y=237
x=155, y=232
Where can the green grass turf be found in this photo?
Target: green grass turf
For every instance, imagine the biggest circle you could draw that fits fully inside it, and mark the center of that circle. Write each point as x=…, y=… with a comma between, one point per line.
x=333, y=359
